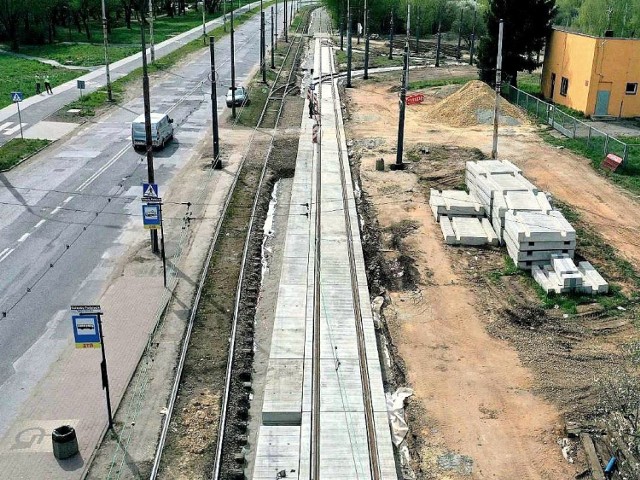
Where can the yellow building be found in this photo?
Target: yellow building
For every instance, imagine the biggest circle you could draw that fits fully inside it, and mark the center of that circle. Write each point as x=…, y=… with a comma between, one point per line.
x=598, y=76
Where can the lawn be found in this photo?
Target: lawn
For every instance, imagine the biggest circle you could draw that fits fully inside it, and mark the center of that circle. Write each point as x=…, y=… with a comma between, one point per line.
x=417, y=85
x=17, y=149
x=18, y=74
x=80, y=54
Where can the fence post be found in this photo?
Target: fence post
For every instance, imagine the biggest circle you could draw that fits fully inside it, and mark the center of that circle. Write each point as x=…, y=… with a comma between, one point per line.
x=589, y=137
x=575, y=124
x=537, y=108
x=527, y=102
x=517, y=97
x=626, y=152
x=606, y=144
x=553, y=112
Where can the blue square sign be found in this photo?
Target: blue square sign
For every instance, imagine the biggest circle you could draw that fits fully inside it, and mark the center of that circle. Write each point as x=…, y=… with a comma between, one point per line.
x=151, y=216
x=86, y=331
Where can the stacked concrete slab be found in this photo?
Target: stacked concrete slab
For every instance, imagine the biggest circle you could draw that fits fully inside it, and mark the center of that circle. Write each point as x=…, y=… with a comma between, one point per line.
x=467, y=231
x=516, y=201
x=563, y=276
x=532, y=238
x=454, y=203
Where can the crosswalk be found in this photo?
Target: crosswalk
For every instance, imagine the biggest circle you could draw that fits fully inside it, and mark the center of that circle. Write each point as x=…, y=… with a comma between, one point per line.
x=9, y=128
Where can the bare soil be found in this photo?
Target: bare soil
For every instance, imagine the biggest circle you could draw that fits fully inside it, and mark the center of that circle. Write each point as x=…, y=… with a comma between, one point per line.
x=495, y=373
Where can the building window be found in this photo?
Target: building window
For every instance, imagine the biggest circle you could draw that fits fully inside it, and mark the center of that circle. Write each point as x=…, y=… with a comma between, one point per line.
x=632, y=88
x=564, y=86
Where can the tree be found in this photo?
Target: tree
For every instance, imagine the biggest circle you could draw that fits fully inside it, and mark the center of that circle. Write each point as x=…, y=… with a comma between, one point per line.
x=527, y=25
x=11, y=12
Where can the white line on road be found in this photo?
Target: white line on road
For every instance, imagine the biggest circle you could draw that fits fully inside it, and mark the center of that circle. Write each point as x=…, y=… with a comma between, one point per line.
x=23, y=237
x=40, y=223
x=12, y=130
x=66, y=200
x=5, y=125
x=92, y=178
x=5, y=255
x=55, y=210
x=3, y=251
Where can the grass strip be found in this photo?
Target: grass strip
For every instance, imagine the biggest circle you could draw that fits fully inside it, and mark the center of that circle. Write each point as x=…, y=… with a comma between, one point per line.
x=17, y=149
x=419, y=84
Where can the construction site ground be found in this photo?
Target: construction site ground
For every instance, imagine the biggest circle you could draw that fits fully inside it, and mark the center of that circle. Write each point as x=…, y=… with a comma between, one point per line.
x=497, y=369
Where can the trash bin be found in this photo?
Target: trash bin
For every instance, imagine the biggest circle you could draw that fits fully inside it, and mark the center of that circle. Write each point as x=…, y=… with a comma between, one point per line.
x=65, y=442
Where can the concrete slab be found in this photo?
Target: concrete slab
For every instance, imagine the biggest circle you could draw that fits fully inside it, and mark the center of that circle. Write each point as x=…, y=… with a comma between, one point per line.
x=538, y=226
x=454, y=203
x=592, y=279
x=448, y=232
x=532, y=255
x=283, y=392
x=487, y=167
x=50, y=130
x=278, y=449
x=560, y=247
x=520, y=201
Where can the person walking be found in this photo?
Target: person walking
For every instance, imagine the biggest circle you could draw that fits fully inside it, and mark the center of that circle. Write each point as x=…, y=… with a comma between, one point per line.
x=38, y=91
x=47, y=85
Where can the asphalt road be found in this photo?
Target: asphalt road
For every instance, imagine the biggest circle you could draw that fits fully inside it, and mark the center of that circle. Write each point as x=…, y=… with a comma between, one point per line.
x=64, y=215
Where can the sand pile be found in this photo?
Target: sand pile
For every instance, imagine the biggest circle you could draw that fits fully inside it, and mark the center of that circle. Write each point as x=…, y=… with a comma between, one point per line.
x=473, y=105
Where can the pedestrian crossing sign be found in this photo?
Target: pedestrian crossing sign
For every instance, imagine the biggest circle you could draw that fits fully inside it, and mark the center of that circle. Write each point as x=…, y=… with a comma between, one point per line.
x=150, y=190
x=16, y=97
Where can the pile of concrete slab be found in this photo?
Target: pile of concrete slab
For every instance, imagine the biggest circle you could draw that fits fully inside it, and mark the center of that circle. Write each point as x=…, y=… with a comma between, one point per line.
x=518, y=215
x=563, y=276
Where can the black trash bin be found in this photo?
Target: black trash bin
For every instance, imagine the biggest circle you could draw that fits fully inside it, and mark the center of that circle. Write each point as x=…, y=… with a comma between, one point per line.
x=65, y=442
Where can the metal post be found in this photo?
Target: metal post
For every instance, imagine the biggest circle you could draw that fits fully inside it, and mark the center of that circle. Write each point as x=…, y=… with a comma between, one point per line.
x=263, y=41
x=152, y=46
x=284, y=23
x=606, y=143
x=473, y=33
x=575, y=124
x=366, y=40
x=589, y=136
x=537, y=108
x=106, y=50
x=217, y=163
x=104, y=371
x=496, y=111
x=147, y=123
x=164, y=258
x=417, y=30
x=626, y=152
x=403, y=103
x=438, y=44
x=459, y=51
x=275, y=22
x=391, y=37
x=341, y=25
x=233, y=71
x=204, y=24
x=20, y=120
x=273, y=65
x=349, y=47
x=224, y=15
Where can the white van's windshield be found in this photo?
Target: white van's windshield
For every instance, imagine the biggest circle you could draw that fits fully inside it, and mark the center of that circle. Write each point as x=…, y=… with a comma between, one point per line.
x=138, y=127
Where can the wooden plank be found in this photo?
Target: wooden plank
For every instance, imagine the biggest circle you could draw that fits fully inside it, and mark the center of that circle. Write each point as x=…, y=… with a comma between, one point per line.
x=596, y=469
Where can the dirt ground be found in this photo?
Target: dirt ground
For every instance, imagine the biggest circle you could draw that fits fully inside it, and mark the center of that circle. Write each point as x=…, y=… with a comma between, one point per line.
x=495, y=376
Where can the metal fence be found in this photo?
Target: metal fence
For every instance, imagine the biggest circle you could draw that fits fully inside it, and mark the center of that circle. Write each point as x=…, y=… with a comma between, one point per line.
x=589, y=139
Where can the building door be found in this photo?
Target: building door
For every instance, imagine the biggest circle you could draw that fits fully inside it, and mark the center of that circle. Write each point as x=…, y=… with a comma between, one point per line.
x=553, y=85
x=602, y=102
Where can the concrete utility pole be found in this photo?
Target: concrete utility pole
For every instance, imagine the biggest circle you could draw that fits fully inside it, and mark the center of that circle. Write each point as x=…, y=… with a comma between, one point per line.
x=224, y=15
x=391, y=37
x=496, y=112
x=473, y=33
x=233, y=71
x=403, y=102
x=366, y=40
x=459, y=51
x=217, y=163
x=153, y=48
x=438, y=44
x=147, y=123
x=276, y=24
x=349, y=50
x=204, y=24
x=418, y=29
x=284, y=23
x=263, y=48
x=341, y=25
x=106, y=51
x=408, y=22
x=273, y=65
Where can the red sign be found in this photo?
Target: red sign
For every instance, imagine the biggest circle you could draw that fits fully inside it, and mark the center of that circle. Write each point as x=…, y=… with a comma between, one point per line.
x=415, y=99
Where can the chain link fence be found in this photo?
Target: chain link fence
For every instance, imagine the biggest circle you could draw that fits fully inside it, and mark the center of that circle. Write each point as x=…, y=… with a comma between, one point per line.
x=589, y=139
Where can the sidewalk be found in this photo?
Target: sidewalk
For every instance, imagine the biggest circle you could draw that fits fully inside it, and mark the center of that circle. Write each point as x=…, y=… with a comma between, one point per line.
x=38, y=107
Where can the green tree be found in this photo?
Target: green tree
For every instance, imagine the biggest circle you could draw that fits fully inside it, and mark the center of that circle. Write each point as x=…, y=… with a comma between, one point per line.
x=527, y=25
x=620, y=16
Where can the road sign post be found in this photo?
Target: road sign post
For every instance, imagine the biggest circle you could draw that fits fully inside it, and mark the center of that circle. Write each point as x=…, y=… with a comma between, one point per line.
x=87, y=332
x=17, y=97
x=152, y=220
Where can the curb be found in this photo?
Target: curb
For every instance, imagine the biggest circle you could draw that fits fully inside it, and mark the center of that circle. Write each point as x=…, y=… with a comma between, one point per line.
x=28, y=156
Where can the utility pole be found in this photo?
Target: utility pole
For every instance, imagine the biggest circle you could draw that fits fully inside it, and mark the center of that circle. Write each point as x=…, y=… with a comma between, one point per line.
x=391, y=37
x=106, y=51
x=366, y=40
x=349, y=50
x=459, y=51
x=342, y=25
x=273, y=65
x=403, y=102
x=263, y=48
x=153, y=49
x=147, y=122
x=224, y=15
x=408, y=22
x=473, y=33
x=496, y=112
x=284, y=23
x=438, y=44
x=276, y=24
x=233, y=71
x=204, y=24
x=217, y=163
x=418, y=29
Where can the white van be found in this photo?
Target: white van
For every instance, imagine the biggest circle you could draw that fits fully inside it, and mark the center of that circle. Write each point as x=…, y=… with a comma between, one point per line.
x=161, y=130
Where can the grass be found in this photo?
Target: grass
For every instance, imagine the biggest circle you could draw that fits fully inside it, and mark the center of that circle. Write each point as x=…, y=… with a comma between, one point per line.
x=80, y=54
x=17, y=149
x=18, y=74
x=375, y=61
x=420, y=84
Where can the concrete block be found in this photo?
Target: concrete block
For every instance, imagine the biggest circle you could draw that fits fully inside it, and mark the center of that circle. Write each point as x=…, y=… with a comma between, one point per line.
x=520, y=201
x=592, y=279
x=563, y=264
x=485, y=167
x=447, y=231
x=519, y=255
x=538, y=227
x=492, y=238
x=546, y=278
x=283, y=392
x=559, y=247
x=469, y=231
x=454, y=203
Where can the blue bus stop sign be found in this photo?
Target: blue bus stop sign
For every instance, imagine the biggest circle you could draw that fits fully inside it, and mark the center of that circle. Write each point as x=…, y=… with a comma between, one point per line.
x=151, y=216
x=86, y=331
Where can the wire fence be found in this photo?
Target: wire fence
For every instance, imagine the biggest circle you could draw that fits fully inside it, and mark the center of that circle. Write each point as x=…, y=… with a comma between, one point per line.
x=589, y=139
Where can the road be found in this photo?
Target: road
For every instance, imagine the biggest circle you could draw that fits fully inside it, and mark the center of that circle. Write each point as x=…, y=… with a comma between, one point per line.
x=64, y=215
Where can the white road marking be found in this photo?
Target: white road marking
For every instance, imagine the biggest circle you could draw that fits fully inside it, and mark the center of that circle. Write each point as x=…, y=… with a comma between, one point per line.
x=39, y=223
x=5, y=255
x=12, y=130
x=66, y=200
x=3, y=251
x=5, y=125
x=93, y=177
x=23, y=237
x=55, y=210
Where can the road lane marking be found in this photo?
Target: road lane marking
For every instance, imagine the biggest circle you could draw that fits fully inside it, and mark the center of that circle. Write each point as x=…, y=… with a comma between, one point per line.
x=5, y=255
x=40, y=223
x=68, y=199
x=93, y=177
x=23, y=237
x=12, y=130
x=5, y=125
x=3, y=251
x=55, y=210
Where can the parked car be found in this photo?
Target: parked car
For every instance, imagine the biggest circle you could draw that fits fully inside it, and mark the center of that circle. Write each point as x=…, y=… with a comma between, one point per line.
x=161, y=130
x=242, y=96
